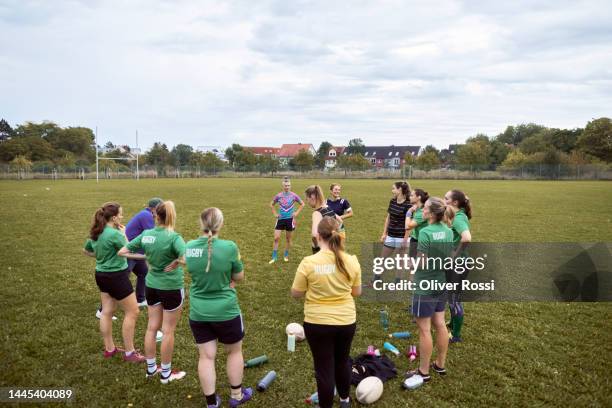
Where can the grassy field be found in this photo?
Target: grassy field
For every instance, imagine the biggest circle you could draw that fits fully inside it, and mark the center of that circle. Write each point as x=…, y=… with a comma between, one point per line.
x=528, y=354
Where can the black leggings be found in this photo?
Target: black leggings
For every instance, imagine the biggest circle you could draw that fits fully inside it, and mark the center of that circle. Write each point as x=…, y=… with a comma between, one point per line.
x=330, y=346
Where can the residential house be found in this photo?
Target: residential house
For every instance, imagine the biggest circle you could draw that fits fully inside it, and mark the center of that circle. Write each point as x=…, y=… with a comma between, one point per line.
x=289, y=151
x=334, y=153
x=391, y=157
x=264, y=151
x=216, y=150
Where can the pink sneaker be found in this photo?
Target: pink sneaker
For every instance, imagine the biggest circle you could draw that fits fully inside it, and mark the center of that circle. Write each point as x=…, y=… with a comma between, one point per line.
x=135, y=357
x=109, y=354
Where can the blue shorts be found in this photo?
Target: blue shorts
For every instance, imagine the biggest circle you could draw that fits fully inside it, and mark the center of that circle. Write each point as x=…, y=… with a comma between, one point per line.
x=427, y=305
x=394, y=242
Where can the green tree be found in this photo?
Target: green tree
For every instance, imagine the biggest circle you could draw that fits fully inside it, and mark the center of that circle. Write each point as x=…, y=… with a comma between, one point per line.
x=475, y=153
x=428, y=160
x=208, y=161
x=514, y=135
x=596, y=139
x=22, y=163
x=499, y=152
x=322, y=154
x=355, y=146
x=538, y=142
x=356, y=162
x=13, y=148
x=182, y=154
x=245, y=160
x=43, y=129
x=515, y=159
x=6, y=131
x=231, y=152
x=77, y=140
x=409, y=159
x=158, y=155
x=267, y=164
x=303, y=161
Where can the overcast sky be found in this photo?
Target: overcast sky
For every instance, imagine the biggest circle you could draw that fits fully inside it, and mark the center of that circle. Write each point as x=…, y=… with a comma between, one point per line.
x=271, y=72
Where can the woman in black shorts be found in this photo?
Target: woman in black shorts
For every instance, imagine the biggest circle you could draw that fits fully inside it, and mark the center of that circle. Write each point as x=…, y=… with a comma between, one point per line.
x=106, y=237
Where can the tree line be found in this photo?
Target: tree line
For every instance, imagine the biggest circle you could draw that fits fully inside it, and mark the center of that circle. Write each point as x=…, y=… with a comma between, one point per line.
x=38, y=145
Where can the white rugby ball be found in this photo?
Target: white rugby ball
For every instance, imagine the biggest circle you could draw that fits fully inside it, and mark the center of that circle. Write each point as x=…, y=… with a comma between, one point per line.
x=369, y=390
x=297, y=330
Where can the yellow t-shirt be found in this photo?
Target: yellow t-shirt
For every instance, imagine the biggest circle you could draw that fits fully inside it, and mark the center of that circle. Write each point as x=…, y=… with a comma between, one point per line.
x=328, y=291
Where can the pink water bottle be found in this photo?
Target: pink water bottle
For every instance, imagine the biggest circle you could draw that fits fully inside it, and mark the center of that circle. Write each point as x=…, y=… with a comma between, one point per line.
x=412, y=353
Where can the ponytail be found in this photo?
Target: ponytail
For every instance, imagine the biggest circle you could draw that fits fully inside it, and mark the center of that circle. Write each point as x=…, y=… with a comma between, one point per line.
x=101, y=218
x=328, y=232
x=209, y=242
x=422, y=195
x=463, y=202
x=440, y=212
x=166, y=214
x=317, y=192
x=211, y=220
x=404, y=186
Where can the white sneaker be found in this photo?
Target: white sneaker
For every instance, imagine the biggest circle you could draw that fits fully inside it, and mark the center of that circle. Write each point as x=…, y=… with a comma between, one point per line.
x=142, y=304
x=174, y=375
x=99, y=315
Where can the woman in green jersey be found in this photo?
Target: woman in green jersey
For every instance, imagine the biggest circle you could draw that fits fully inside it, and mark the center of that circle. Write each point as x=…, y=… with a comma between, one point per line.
x=429, y=298
x=417, y=198
x=106, y=237
x=214, y=313
x=461, y=239
x=164, y=289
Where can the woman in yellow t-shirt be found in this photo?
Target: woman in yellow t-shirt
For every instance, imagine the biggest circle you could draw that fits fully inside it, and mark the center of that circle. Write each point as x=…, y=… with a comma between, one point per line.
x=329, y=280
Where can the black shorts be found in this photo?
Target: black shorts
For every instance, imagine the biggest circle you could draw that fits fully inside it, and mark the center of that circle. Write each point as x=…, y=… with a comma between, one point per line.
x=227, y=332
x=169, y=299
x=286, y=224
x=116, y=284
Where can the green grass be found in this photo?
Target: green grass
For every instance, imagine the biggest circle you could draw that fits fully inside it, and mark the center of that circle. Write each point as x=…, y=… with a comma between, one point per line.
x=536, y=354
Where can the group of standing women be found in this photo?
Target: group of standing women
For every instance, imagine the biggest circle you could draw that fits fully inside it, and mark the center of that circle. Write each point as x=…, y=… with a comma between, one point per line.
x=328, y=280
x=214, y=315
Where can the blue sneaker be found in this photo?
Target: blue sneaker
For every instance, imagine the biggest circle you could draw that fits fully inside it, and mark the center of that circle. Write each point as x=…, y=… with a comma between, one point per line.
x=217, y=404
x=247, y=394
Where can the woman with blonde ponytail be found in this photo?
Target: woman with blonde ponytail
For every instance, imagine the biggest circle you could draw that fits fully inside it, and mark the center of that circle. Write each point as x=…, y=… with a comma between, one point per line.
x=214, y=313
x=164, y=290
x=329, y=280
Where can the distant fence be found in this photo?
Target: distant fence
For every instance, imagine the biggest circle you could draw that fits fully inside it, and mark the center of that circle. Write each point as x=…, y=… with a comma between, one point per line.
x=529, y=172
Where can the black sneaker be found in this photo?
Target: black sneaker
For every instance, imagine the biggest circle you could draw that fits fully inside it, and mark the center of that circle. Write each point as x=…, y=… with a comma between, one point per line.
x=439, y=370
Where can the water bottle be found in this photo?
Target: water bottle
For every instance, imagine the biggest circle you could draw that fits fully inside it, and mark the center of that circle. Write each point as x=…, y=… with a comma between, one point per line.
x=265, y=382
x=256, y=361
x=313, y=399
x=390, y=347
x=400, y=335
x=291, y=343
x=412, y=353
x=384, y=319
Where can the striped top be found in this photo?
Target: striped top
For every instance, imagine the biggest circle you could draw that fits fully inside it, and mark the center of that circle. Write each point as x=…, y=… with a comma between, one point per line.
x=326, y=212
x=397, y=218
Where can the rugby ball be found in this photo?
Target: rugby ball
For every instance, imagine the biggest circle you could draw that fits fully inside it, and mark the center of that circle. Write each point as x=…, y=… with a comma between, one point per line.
x=369, y=390
x=297, y=330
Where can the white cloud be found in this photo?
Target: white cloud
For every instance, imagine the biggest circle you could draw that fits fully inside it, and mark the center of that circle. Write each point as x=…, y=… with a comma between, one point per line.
x=269, y=72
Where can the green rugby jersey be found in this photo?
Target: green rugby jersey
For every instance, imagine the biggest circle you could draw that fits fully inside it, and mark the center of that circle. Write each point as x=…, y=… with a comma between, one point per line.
x=436, y=242
x=109, y=242
x=211, y=299
x=161, y=246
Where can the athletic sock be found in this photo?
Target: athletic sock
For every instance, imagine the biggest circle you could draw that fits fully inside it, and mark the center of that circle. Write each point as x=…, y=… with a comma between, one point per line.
x=236, y=392
x=286, y=253
x=151, y=366
x=274, y=254
x=166, y=370
x=456, y=324
x=211, y=399
x=347, y=399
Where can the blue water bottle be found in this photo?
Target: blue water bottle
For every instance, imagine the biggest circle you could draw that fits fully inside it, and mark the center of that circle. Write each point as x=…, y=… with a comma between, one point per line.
x=266, y=381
